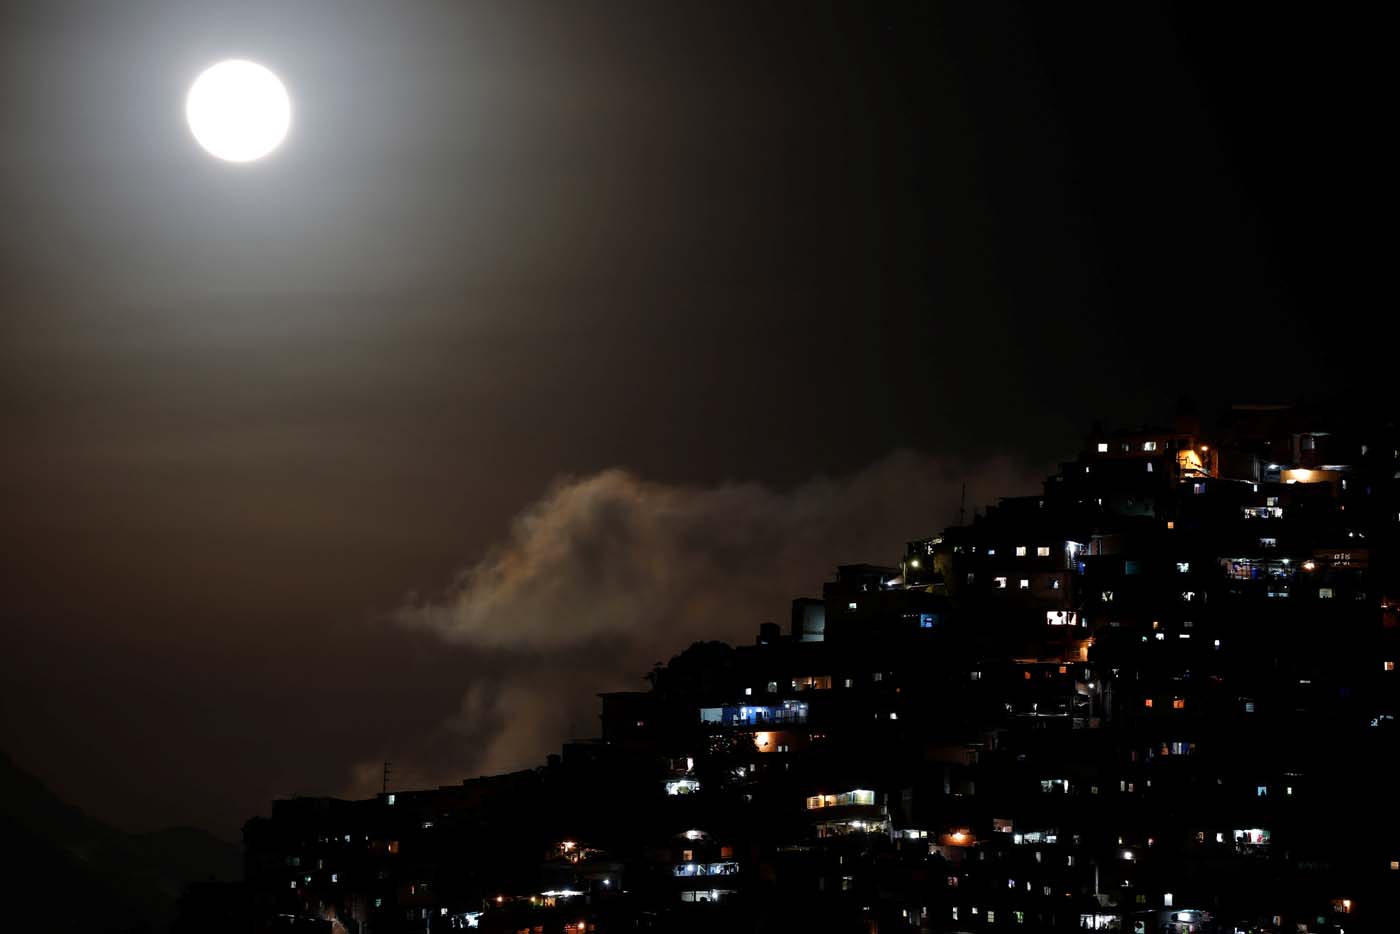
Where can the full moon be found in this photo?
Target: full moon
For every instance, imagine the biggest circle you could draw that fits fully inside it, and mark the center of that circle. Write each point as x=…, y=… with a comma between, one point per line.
x=238, y=110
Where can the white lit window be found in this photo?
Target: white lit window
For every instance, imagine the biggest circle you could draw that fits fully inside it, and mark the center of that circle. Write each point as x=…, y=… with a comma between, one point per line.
x=851, y=605
x=1001, y=583
x=748, y=692
x=1324, y=593
x=1183, y=567
x=772, y=687
x=1055, y=584
x=1149, y=445
x=391, y=799
x=1020, y=551
x=878, y=676
x=850, y=682
x=1149, y=467
x=893, y=715
x=1106, y=596
x=1103, y=447
x=1025, y=583
x=991, y=551
x=1042, y=551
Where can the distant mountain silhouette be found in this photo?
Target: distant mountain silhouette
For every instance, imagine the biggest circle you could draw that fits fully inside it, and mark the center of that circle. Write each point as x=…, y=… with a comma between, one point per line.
x=65, y=871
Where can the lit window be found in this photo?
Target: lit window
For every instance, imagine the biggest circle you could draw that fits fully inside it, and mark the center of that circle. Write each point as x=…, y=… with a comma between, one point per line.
x=1103, y=447
x=1106, y=596
x=851, y=605
x=748, y=692
x=1324, y=593
x=878, y=676
x=772, y=687
x=1178, y=703
x=1001, y=583
x=1147, y=702
x=991, y=551
x=1249, y=706
x=1149, y=445
x=1183, y=567
x=1149, y=467
x=1055, y=584
x=1262, y=791
x=1025, y=584
x=391, y=799
x=850, y=682
x=1389, y=666
x=1042, y=551
x=1171, y=524
x=1020, y=551
x=893, y=715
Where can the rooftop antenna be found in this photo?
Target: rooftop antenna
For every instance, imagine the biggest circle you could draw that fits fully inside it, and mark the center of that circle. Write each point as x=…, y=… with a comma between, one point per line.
x=387, y=770
x=962, y=505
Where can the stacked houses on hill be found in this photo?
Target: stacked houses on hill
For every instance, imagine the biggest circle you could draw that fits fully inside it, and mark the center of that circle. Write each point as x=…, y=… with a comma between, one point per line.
x=1157, y=696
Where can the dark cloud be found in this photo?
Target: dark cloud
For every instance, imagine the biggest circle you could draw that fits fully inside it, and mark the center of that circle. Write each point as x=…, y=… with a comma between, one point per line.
x=608, y=573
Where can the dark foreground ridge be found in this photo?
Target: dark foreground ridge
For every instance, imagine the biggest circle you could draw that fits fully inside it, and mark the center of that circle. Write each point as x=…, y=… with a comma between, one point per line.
x=66, y=871
x=1159, y=696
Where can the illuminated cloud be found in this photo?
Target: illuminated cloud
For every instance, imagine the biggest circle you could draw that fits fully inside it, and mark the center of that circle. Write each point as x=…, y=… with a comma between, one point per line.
x=609, y=573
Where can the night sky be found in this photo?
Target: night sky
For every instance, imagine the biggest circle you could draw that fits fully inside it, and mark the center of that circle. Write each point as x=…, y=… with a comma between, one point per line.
x=559, y=335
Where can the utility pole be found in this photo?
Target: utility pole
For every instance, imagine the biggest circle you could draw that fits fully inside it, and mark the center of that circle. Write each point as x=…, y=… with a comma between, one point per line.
x=387, y=770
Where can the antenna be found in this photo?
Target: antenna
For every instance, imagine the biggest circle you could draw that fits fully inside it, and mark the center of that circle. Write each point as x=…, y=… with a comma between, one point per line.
x=387, y=770
x=962, y=505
